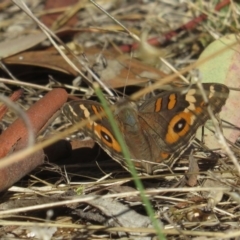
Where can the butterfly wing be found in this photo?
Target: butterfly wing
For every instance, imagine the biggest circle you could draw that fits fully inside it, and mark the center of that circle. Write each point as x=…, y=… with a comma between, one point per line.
x=175, y=116
x=96, y=125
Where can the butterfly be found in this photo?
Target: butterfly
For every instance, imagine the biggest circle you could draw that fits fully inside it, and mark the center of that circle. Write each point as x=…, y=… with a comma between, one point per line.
x=159, y=131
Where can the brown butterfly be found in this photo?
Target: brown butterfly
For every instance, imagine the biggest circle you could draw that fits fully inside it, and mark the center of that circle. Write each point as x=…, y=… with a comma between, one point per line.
x=158, y=131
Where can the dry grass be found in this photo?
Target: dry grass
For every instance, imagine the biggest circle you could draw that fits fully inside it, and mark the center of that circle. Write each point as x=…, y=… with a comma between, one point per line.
x=84, y=195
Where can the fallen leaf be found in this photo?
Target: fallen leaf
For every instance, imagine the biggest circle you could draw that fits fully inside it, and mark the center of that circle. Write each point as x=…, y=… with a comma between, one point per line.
x=49, y=19
x=120, y=71
x=19, y=44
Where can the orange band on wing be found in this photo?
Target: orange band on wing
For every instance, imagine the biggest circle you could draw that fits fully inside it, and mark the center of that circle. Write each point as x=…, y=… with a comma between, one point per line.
x=95, y=110
x=164, y=155
x=158, y=105
x=172, y=100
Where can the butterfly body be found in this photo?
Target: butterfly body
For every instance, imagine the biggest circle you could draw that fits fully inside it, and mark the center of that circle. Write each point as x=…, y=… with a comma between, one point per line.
x=158, y=131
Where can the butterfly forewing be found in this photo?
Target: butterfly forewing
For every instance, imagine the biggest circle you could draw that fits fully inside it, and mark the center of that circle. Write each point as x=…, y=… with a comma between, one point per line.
x=97, y=125
x=176, y=116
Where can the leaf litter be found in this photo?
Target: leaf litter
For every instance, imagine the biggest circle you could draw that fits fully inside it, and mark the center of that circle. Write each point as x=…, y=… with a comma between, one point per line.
x=79, y=192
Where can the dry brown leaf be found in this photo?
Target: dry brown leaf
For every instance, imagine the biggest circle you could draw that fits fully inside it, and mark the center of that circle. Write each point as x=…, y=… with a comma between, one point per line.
x=19, y=44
